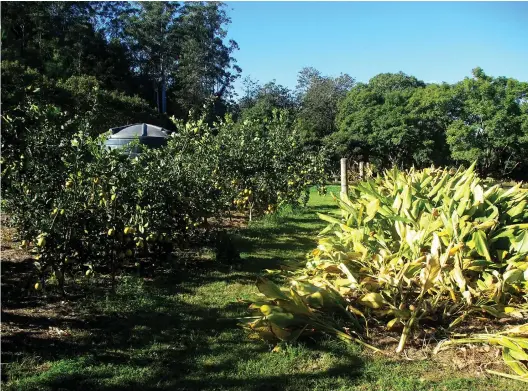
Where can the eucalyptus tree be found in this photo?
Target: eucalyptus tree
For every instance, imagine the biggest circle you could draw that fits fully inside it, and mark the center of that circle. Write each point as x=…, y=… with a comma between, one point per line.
x=206, y=66
x=319, y=97
x=153, y=36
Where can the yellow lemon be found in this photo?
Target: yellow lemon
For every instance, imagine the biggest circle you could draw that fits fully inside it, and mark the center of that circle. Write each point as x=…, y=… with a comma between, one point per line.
x=129, y=230
x=265, y=309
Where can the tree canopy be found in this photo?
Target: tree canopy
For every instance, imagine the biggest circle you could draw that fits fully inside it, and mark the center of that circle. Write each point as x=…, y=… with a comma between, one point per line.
x=147, y=61
x=173, y=55
x=491, y=125
x=395, y=119
x=319, y=98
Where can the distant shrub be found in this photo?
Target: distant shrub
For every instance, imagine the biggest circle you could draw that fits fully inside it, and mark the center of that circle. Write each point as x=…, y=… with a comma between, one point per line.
x=107, y=109
x=19, y=81
x=77, y=96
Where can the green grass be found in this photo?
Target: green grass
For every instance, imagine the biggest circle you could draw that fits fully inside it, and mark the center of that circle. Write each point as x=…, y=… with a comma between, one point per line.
x=174, y=333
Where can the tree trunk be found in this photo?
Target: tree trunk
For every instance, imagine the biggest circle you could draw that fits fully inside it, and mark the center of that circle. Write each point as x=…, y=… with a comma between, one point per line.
x=163, y=96
x=158, y=100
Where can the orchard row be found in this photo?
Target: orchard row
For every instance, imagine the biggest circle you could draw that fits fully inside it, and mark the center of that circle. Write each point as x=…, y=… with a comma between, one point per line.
x=81, y=208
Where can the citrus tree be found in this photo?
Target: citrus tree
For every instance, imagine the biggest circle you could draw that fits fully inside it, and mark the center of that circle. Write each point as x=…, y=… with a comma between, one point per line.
x=84, y=209
x=265, y=165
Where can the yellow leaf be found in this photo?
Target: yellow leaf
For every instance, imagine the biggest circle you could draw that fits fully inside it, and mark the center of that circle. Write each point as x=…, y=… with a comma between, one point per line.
x=456, y=248
x=372, y=209
x=430, y=272
x=392, y=323
x=372, y=300
x=517, y=367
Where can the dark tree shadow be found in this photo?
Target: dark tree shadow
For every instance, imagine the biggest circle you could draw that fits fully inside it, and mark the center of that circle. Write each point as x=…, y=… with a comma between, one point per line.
x=138, y=321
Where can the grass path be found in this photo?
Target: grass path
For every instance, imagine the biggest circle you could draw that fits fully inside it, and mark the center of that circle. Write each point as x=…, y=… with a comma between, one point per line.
x=168, y=334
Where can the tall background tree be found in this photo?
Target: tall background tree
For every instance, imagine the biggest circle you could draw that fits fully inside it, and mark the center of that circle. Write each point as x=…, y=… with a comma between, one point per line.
x=319, y=97
x=373, y=121
x=173, y=55
x=117, y=62
x=491, y=125
x=260, y=101
x=206, y=67
x=153, y=37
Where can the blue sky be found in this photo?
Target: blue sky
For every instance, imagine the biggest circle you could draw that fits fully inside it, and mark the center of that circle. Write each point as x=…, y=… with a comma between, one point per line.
x=440, y=41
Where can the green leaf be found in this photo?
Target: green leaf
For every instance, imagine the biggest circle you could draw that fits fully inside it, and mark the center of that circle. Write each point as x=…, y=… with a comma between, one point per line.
x=315, y=300
x=493, y=311
x=519, y=355
x=512, y=190
x=438, y=186
x=462, y=206
x=481, y=245
x=328, y=219
x=283, y=319
x=270, y=289
x=280, y=333
x=508, y=233
x=513, y=276
x=299, y=306
x=517, y=210
x=460, y=191
x=406, y=197
x=521, y=242
x=305, y=288
x=517, y=367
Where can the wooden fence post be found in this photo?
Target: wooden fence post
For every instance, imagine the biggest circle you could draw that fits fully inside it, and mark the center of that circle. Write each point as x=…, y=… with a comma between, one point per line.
x=344, y=177
x=361, y=170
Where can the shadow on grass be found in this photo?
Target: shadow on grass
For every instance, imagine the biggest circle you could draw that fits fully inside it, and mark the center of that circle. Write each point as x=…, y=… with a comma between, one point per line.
x=163, y=380
x=178, y=345
x=269, y=243
x=153, y=335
